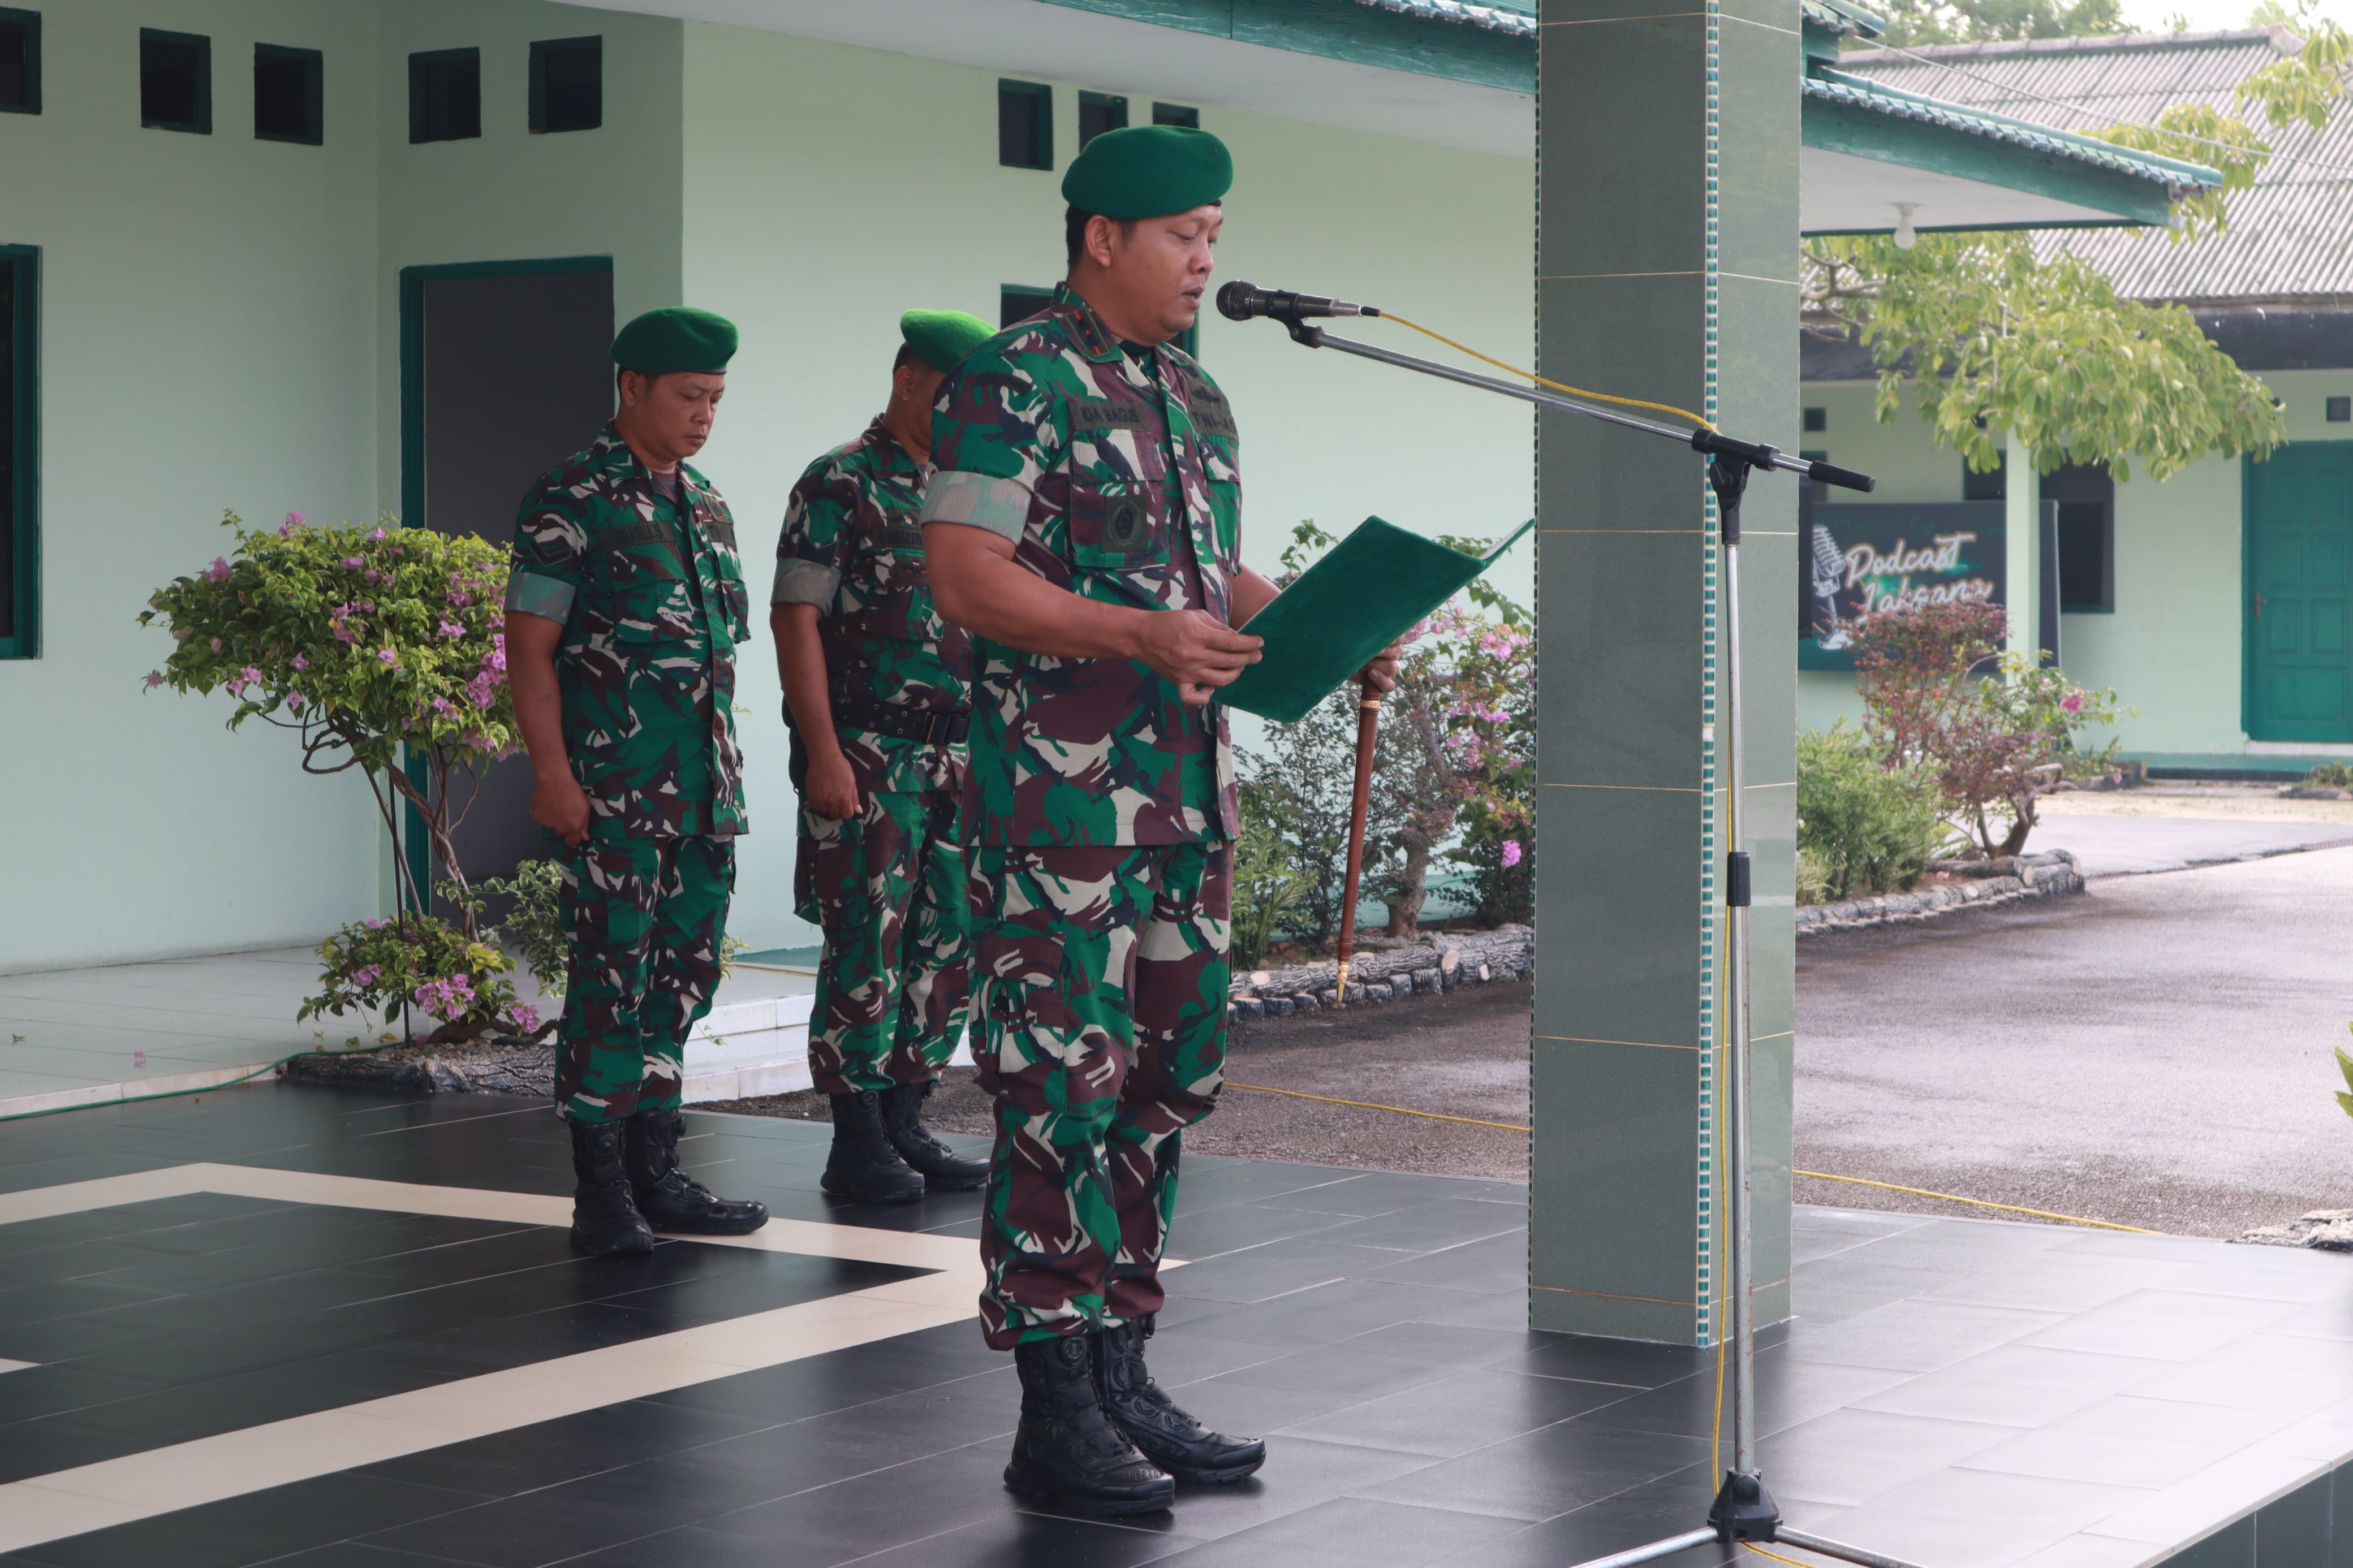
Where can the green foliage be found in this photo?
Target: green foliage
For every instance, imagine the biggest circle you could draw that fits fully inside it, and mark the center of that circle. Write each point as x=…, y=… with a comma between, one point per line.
x=1865, y=827
x=369, y=644
x=1268, y=885
x=1813, y=882
x=2330, y=776
x=1911, y=23
x=1990, y=338
x=2345, y=1066
x=421, y=960
x=534, y=926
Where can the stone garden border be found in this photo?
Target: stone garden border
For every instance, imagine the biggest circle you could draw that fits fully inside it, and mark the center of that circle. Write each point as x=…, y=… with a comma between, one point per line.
x=2054, y=873
x=1443, y=960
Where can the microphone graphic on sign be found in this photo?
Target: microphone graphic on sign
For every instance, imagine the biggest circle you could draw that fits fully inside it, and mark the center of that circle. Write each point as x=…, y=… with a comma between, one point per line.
x=1240, y=301
x=1829, y=572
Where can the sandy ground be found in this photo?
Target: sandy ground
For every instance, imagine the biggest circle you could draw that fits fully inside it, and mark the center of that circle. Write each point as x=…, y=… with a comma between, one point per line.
x=1462, y=1055
x=2220, y=802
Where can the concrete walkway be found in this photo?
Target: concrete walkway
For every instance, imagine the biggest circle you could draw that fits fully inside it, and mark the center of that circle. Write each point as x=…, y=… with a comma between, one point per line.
x=2156, y=1052
x=2128, y=846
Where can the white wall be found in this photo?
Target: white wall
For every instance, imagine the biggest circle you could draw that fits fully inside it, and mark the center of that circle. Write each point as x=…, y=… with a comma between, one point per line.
x=829, y=188
x=205, y=311
x=2174, y=648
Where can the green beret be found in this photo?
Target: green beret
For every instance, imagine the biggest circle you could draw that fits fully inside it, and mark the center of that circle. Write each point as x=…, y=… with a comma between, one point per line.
x=675, y=338
x=941, y=338
x=1149, y=170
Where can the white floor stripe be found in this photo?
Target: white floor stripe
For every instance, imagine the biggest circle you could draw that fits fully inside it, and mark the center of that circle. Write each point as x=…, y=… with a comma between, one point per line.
x=140, y=1486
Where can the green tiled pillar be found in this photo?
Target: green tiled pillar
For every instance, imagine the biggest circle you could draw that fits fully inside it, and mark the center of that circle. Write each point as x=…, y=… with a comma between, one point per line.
x=1667, y=264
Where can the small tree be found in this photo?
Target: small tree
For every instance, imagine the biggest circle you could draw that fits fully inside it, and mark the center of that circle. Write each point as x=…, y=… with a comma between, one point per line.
x=366, y=644
x=373, y=645
x=1994, y=745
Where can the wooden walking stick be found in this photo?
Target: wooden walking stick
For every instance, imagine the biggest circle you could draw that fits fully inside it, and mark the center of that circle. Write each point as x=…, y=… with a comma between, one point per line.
x=1368, y=721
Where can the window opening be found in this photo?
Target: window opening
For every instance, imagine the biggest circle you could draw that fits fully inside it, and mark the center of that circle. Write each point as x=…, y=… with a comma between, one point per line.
x=1025, y=124
x=567, y=84
x=1183, y=114
x=19, y=454
x=445, y=95
x=20, y=61
x=176, y=81
x=1099, y=113
x=286, y=94
x=2086, y=494
x=1020, y=301
x=1991, y=485
x=1818, y=419
x=2341, y=410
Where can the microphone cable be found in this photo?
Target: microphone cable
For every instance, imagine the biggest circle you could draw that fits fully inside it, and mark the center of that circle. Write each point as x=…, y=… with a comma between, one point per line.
x=1540, y=380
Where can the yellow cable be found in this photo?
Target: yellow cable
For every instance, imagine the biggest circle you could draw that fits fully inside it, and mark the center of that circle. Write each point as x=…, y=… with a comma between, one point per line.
x=1979, y=1203
x=1817, y=1175
x=1367, y=1105
x=1775, y=1556
x=1540, y=380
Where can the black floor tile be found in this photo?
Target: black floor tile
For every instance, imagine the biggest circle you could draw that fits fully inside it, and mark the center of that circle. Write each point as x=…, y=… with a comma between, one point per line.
x=1350, y=1532
x=1462, y=1411
x=559, y=1522
x=255, y=1529
x=880, y=1509
x=1656, y=1510
x=549, y=1453
x=695, y=1546
x=1040, y=1541
x=1429, y=1227
x=1590, y=1359
x=1786, y=1393
x=1339, y=1310
x=1299, y=1474
x=1549, y=1471
x=56, y=1390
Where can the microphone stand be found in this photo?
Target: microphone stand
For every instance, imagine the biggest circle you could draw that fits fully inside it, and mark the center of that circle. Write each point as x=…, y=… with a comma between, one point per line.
x=1743, y=1511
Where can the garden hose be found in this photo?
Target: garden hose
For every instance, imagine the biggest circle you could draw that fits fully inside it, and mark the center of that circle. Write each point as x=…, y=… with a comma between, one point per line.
x=1816, y=1175
x=1540, y=380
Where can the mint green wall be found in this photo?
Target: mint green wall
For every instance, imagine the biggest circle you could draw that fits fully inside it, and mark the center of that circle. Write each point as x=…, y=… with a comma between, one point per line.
x=206, y=307
x=829, y=188
x=2174, y=648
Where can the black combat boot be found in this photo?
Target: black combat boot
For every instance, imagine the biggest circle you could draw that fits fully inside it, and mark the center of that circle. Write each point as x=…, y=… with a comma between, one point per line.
x=1167, y=1436
x=863, y=1166
x=604, y=1217
x=672, y=1200
x=942, y=1169
x=1066, y=1451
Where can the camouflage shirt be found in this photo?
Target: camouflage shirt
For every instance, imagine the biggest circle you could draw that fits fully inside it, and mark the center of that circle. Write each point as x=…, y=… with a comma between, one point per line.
x=1113, y=468
x=647, y=661
x=851, y=546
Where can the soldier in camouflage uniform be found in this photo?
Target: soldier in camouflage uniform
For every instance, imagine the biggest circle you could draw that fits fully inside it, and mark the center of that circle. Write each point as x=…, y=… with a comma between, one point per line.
x=625, y=603
x=1084, y=525
x=877, y=690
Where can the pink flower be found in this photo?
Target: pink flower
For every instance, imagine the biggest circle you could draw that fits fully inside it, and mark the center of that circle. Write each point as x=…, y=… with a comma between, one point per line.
x=216, y=645
x=2071, y=703
x=386, y=655
x=218, y=570
x=377, y=534
x=526, y=1017
x=294, y=519
x=443, y=705
x=301, y=663
x=344, y=633
x=1511, y=853
x=452, y=629
x=297, y=701
x=154, y=679
x=354, y=561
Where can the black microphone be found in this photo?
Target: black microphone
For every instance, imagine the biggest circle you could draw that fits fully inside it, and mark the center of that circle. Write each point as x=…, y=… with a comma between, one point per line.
x=1240, y=301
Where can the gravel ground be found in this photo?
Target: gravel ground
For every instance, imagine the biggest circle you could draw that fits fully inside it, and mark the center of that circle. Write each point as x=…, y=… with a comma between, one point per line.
x=1461, y=1054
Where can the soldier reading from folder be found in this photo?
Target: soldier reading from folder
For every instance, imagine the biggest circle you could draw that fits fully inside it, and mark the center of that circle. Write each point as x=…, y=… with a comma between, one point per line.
x=1084, y=524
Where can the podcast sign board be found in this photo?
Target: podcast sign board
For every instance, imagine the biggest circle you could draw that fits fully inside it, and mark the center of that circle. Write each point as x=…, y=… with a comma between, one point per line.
x=1857, y=560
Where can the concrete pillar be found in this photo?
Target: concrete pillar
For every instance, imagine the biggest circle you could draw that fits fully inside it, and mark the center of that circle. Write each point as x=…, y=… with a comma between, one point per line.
x=1667, y=264
x=2021, y=545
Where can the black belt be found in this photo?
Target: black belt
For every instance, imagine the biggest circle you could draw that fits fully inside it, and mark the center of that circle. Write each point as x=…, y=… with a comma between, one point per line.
x=934, y=726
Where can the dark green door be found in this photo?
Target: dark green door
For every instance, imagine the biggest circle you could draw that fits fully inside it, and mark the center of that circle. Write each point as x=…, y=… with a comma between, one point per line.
x=2300, y=576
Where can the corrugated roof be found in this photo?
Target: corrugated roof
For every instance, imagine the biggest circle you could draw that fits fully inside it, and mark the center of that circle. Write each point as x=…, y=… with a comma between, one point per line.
x=2290, y=237
x=1492, y=19
x=2016, y=133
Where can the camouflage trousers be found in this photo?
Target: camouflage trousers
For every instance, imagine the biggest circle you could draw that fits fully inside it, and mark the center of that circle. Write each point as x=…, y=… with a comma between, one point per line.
x=888, y=888
x=1103, y=979
x=645, y=918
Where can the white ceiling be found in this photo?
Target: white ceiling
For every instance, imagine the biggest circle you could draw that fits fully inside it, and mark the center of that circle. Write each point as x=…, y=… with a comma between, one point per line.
x=1841, y=193
x=1025, y=37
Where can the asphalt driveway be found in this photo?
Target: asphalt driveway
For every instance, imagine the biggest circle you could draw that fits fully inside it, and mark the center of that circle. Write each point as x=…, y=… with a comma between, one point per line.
x=2156, y=1052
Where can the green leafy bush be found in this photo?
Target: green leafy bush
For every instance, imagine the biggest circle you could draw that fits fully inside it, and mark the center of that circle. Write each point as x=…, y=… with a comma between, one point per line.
x=383, y=965
x=1865, y=827
x=534, y=926
x=1268, y=884
x=2330, y=776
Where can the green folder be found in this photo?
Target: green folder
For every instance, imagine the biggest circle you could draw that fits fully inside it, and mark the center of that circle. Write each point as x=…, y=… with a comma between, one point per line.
x=1367, y=591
